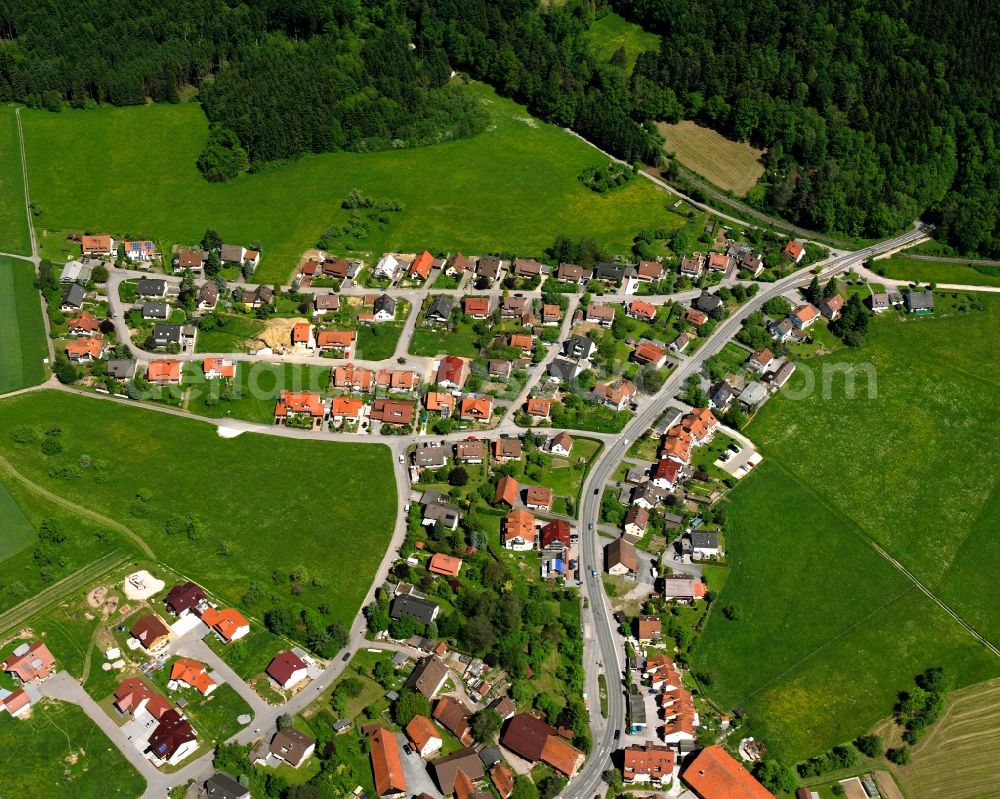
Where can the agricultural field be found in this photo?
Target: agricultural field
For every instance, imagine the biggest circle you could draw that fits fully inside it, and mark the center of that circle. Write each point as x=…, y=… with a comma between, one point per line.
x=23, y=344
x=13, y=219
x=61, y=754
x=201, y=502
x=18, y=532
x=611, y=32
x=957, y=757
x=481, y=194
x=845, y=629
x=730, y=165
x=899, y=267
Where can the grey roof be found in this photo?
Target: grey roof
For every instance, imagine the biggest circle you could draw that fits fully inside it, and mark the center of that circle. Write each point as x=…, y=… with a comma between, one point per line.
x=432, y=455
x=383, y=302
x=414, y=607
x=155, y=310
x=562, y=370
x=782, y=326
x=151, y=287
x=440, y=307
x=707, y=301
x=703, y=540
x=920, y=300
x=721, y=393
x=222, y=786
x=73, y=295
x=399, y=658
x=636, y=707
x=609, y=272
x=577, y=346
x=166, y=334
x=448, y=515
x=231, y=253
x=753, y=394
x=121, y=369
x=490, y=755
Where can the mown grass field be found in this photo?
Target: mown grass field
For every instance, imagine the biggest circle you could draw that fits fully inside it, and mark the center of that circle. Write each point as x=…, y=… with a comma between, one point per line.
x=730, y=165
x=277, y=504
x=22, y=343
x=17, y=530
x=13, y=219
x=957, y=757
x=900, y=267
x=830, y=631
x=512, y=188
x=61, y=754
x=611, y=31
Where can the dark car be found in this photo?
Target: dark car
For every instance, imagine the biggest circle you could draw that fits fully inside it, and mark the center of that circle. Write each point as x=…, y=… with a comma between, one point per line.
x=618, y=734
x=346, y=657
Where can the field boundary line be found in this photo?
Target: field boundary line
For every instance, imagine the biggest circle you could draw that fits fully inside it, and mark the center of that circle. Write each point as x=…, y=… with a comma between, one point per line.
x=53, y=593
x=860, y=532
x=24, y=177
x=8, y=467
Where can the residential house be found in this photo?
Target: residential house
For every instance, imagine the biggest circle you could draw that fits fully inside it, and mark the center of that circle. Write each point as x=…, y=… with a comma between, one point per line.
x=879, y=302
x=611, y=273
x=454, y=717
x=506, y=450
x=397, y=379
x=408, y=606
x=300, y=405
x=476, y=307
x=489, y=267
x=85, y=349
x=72, y=298
x=133, y=696
x=84, y=324
x=353, y=377
x=648, y=496
x=752, y=263
x=794, y=251
x=424, y=736
x=183, y=598
x=439, y=310
x=715, y=774
x=571, y=273
x=920, y=303
x=526, y=268
x=579, y=347
x=503, y=780
x=562, y=371
x=639, y=309
x=504, y=707
x=440, y=403
x=636, y=521
x=538, y=408
x=780, y=330
x=832, y=307
x=518, y=530
x=649, y=354
x=523, y=342
x=151, y=287
x=387, y=268
x=192, y=674
x=428, y=676
x=29, y=663
x=208, y=296
x=390, y=411
x=538, y=498
x=166, y=335
x=219, y=368
x=780, y=377
x=228, y=624
x=497, y=367
x=150, y=631
x=164, y=372
x=332, y=341
x=458, y=264
x=803, y=316
x=387, y=767
x=753, y=395
x=190, y=259
x=648, y=629
x=292, y=746
x=696, y=317
x=75, y=272
x=172, y=740
x=649, y=271
x=551, y=315
x=470, y=452
x=707, y=302
x=555, y=535
x=325, y=303
x=349, y=408
x=476, y=409
x=718, y=262
x=620, y=558
x=445, y=565
x=684, y=588
x=720, y=395
x=456, y=772
x=450, y=372
x=420, y=269
x=98, y=245
x=705, y=544
x=616, y=396
x=222, y=786
x=430, y=456
x=665, y=473
x=693, y=265
x=437, y=509
x=335, y=268
x=560, y=444
x=258, y=297
x=139, y=250
x=649, y=763
x=287, y=670
x=512, y=307
x=534, y=740
x=122, y=369
x=604, y=315
x=761, y=360
x=238, y=254
x=680, y=343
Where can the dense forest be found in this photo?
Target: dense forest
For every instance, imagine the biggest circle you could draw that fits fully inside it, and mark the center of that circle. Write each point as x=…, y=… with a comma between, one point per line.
x=872, y=112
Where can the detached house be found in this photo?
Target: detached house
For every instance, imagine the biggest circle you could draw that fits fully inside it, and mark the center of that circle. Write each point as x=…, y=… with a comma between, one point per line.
x=72, y=298
x=636, y=522
x=638, y=309
x=525, y=267
x=164, y=373
x=832, y=307
x=192, y=674
x=184, y=598
x=538, y=408
x=228, y=624
x=420, y=269
x=476, y=409
x=803, y=316
x=85, y=349
x=604, y=315
x=424, y=736
x=579, y=347
x=648, y=354
x=389, y=411
x=287, y=670
x=560, y=444
x=693, y=266
x=300, y=405
x=761, y=360
x=489, y=267
x=150, y=631
x=440, y=402
x=450, y=372
x=439, y=310
x=476, y=307
x=172, y=740
x=615, y=396
x=718, y=262
x=507, y=449
x=219, y=368
x=155, y=310
x=518, y=530
x=151, y=287
x=794, y=251
x=30, y=662
x=620, y=558
x=920, y=303
x=139, y=250
x=570, y=273
x=335, y=341
x=98, y=245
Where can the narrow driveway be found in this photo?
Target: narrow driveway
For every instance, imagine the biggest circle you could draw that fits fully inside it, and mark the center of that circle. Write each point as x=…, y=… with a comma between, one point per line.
x=191, y=646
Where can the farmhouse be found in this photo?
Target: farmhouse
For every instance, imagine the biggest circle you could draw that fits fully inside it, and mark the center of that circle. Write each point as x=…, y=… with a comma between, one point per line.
x=428, y=676
x=453, y=716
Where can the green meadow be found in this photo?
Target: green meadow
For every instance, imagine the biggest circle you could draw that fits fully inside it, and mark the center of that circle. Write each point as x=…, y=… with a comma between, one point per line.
x=900, y=267
x=829, y=630
x=22, y=344
x=512, y=188
x=611, y=31
x=13, y=218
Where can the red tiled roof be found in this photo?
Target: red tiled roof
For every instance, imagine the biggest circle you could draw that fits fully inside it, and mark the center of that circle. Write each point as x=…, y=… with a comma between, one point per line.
x=95, y=243
x=641, y=308
x=351, y=376
x=561, y=755
x=85, y=346
x=393, y=411
x=657, y=761
x=450, y=370
x=648, y=353
x=335, y=339
x=521, y=340
x=539, y=495
x=226, y=622
x=302, y=402
x=519, y=523
x=84, y=321
x=163, y=371
x=476, y=306
x=420, y=730
x=300, y=333
x=715, y=774
x=507, y=491
x=444, y=564
x=421, y=266
x=649, y=627
x=347, y=406
x=36, y=663
x=539, y=406
x=192, y=673
x=130, y=693
x=220, y=367
x=386, y=765
x=476, y=408
x=555, y=532
x=794, y=249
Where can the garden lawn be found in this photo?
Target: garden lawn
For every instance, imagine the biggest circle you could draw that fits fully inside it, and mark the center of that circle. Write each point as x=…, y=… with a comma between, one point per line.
x=13, y=218
x=512, y=188
x=60, y=753
x=902, y=268
x=829, y=630
x=378, y=342
x=431, y=341
x=22, y=344
x=231, y=338
x=277, y=504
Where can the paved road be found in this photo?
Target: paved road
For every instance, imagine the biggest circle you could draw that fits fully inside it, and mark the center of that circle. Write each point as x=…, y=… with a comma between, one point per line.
x=190, y=645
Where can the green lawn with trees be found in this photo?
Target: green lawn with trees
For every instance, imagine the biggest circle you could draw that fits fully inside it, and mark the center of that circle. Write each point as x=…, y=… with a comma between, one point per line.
x=214, y=508
x=60, y=753
x=513, y=187
x=828, y=628
x=22, y=345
